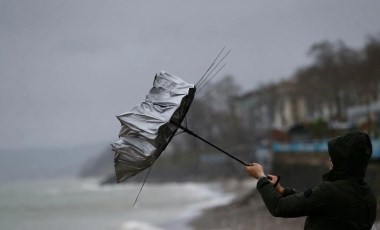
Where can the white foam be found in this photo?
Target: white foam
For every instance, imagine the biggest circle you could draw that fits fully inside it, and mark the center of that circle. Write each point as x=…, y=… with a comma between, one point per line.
x=138, y=225
x=164, y=206
x=212, y=199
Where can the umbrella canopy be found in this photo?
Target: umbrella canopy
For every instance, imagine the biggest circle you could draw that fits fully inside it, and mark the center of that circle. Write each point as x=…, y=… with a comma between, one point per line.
x=148, y=127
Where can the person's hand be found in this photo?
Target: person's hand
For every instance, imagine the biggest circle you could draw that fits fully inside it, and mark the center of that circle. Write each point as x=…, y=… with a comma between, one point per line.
x=255, y=170
x=272, y=179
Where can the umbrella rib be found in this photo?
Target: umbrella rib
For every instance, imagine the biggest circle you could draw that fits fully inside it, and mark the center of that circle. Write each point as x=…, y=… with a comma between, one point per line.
x=208, y=81
x=212, y=64
x=209, y=73
x=204, y=96
x=146, y=177
x=214, y=69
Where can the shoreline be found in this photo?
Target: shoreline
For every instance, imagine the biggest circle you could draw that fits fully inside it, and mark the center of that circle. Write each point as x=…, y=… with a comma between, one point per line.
x=225, y=192
x=246, y=211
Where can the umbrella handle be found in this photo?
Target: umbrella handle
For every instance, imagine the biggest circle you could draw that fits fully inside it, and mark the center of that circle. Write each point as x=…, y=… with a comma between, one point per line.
x=206, y=141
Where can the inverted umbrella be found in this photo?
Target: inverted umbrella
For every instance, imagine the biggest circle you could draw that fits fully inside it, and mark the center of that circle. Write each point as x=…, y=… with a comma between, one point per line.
x=149, y=126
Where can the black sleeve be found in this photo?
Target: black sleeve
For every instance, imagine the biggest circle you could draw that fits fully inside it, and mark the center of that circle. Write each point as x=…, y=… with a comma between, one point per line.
x=288, y=192
x=295, y=205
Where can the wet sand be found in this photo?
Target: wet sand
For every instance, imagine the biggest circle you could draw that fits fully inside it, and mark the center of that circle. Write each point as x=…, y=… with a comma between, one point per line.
x=245, y=213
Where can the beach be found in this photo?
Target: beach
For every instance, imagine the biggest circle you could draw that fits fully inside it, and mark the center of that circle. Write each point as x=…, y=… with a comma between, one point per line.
x=248, y=212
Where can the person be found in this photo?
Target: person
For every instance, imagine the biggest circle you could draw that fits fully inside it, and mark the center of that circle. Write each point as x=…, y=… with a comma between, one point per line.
x=343, y=200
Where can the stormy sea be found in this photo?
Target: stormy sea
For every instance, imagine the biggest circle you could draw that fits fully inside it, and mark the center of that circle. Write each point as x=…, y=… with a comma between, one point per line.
x=84, y=204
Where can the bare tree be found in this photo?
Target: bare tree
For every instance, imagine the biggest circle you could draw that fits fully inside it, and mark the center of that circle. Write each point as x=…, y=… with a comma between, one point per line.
x=332, y=71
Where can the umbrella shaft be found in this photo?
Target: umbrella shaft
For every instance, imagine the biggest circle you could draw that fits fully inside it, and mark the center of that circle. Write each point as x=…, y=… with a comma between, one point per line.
x=206, y=141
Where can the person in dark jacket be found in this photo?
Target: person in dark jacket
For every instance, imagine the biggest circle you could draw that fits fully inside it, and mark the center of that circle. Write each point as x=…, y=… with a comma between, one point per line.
x=342, y=201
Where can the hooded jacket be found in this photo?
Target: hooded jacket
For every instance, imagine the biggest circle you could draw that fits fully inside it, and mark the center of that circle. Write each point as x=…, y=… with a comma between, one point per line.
x=342, y=201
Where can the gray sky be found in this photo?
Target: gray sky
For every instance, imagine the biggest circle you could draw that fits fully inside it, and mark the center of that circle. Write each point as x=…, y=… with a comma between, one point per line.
x=68, y=67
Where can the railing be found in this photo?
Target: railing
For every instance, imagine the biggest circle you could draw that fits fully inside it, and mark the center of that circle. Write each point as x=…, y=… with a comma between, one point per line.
x=315, y=147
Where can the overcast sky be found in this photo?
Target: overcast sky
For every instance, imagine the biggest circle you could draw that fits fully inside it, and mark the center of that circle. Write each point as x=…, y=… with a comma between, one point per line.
x=68, y=67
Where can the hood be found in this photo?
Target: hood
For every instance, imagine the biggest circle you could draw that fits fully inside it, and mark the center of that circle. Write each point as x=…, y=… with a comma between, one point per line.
x=350, y=154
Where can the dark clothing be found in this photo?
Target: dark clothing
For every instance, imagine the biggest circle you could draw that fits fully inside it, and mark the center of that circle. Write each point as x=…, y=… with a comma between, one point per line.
x=350, y=154
x=342, y=201
x=343, y=204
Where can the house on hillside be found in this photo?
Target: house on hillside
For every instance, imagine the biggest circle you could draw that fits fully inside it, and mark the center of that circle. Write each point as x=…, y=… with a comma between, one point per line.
x=367, y=116
x=271, y=107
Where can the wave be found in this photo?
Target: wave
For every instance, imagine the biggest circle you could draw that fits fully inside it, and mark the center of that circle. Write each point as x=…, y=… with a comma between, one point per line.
x=138, y=225
x=160, y=206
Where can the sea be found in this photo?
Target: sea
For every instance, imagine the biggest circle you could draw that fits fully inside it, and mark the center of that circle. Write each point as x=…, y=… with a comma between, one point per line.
x=80, y=204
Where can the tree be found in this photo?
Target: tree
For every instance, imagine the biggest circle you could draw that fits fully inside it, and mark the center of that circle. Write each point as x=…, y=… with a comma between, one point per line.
x=371, y=69
x=332, y=70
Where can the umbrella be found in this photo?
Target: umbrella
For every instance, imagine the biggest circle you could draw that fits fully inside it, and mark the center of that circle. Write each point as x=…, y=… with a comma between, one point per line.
x=148, y=127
